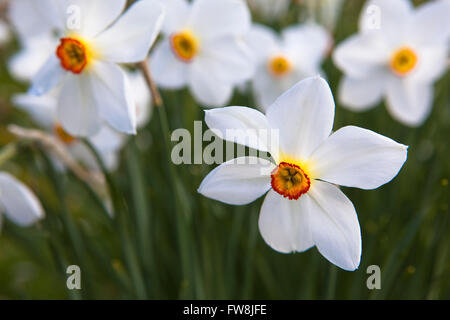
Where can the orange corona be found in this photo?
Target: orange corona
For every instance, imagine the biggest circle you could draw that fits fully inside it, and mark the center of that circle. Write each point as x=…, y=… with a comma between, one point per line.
x=279, y=66
x=403, y=61
x=73, y=55
x=290, y=180
x=184, y=45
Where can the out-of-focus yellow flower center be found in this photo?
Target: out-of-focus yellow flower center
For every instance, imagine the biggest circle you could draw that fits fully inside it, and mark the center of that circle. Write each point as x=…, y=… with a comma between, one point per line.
x=290, y=180
x=62, y=135
x=403, y=61
x=185, y=45
x=279, y=66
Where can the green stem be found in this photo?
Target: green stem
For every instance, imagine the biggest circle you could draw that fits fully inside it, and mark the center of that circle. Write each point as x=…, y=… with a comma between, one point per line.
x=122, y=226
x=183, y=212
x=61, y=266
x=332, y=279
x=74, y=236
x=142, y=214
x=7, y=152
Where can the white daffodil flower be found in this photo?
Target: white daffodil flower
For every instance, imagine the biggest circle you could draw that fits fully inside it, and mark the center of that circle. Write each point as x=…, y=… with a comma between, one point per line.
x=398, y=54
x=18, y=202
x=283, y=61
x=325, y=12
x=108, y=142
x=37, y=36
x=92, y=41
x=43, y=110
x=304, y=207
x=203, y=49
x=269, y=9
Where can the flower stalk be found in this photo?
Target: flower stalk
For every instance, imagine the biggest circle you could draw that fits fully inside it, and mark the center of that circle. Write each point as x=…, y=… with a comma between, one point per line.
x=95, y=180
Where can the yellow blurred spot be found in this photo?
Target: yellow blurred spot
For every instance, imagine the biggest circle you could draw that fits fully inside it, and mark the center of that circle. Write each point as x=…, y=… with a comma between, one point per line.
x=411, y=269
x=117, y=265
x=185, y=45
x=279, y=66
x=62, y=135
x=444, y=182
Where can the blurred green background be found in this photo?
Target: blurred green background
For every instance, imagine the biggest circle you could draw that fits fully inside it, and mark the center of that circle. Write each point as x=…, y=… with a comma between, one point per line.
x=168, y=242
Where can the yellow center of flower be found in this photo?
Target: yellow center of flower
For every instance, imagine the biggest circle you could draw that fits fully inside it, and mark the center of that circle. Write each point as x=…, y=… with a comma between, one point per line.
x=403, y=61
x=279, y=66
x=62, y=135
x=290, y=180
x=185, y=45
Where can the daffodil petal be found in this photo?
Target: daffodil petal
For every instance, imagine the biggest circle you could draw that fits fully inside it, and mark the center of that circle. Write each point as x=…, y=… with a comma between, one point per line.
x=230, y=59
x=205, y=86
x=430, y=24
x=113, y=96
x=130, y=38
x=241, y=125
x=391, y=18
x=216, y=18
x=262, y=41
x=359, y=55
x=334, y=226
x=108, y=139
x=431, y=65
x=168, y=71
x=42, y=109
x=26, y=63
x=304, y=116
x=310, y=40
x=364, y=93
x=19, y=202
x=177, y=14
x=284, y=224
x=108, y=155
x=95, y=15
x=77, y=108
x=142, y=98
x=48, y=77
x=32, y=18
x=409, y=102
x=238, y=181
x=356, y=157
x=267, y=89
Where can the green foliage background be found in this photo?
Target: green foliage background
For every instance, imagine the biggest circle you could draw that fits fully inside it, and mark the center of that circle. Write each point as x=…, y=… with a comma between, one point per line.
x=169, y=242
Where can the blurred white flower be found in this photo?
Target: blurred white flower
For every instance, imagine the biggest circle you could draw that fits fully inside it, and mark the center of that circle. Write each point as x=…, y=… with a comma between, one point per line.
x=108, y=142
x=31, y=18
x=203, y=49
x=5, y=34
x=25, y=64
x=325, y=12
x=18, y=202
x=283, y=61
x=92, y=41
x=398, y=54
x=269, y=9
x=142, y=98
x=303, y=207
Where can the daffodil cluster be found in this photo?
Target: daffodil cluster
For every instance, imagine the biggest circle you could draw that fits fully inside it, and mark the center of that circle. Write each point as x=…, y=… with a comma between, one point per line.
x=80, y=56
